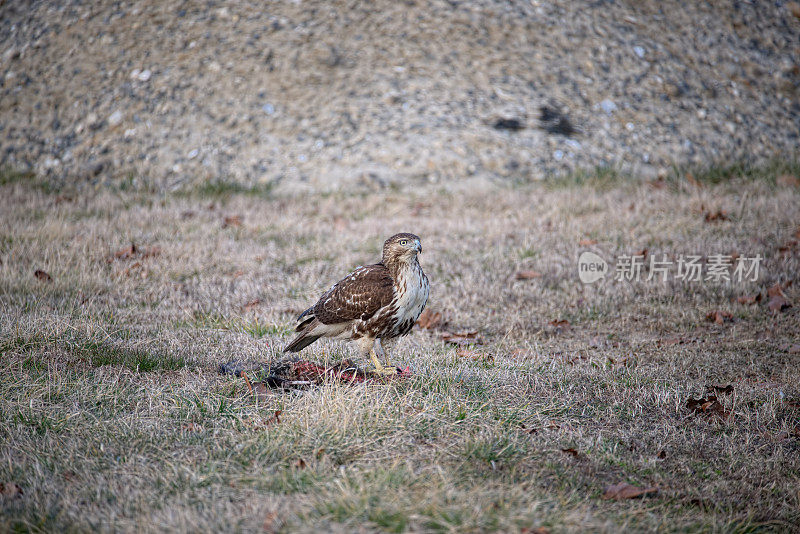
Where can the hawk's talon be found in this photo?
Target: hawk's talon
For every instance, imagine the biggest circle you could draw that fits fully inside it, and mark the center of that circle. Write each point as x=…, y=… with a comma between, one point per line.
x=379, y=368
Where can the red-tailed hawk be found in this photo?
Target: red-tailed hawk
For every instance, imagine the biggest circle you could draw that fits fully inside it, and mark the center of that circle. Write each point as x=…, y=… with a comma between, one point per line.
x=372, y=304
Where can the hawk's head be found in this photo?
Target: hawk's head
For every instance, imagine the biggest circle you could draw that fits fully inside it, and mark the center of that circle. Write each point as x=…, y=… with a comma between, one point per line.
x=401, y=247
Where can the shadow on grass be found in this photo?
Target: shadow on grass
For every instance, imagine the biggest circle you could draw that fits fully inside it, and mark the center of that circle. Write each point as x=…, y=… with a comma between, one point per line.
x=96, y=353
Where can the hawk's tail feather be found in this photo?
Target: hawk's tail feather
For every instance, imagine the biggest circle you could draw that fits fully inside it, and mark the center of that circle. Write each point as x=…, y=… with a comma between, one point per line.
x=301, y=325
x=300, y=342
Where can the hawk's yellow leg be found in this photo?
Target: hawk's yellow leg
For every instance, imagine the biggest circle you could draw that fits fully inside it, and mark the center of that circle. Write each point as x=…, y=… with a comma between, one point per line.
x=379, y=368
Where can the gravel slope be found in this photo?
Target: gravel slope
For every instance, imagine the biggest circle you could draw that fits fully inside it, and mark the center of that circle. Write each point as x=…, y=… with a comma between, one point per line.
x=328, y=95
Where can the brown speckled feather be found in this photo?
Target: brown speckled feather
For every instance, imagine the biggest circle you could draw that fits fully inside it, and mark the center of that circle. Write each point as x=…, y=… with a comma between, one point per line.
x=358, y=296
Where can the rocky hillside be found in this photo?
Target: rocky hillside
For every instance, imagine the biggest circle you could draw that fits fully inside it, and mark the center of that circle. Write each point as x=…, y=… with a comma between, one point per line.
x=331, y=94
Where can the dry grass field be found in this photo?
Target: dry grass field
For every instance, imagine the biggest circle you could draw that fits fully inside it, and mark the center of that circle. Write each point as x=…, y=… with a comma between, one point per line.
x=114, y=416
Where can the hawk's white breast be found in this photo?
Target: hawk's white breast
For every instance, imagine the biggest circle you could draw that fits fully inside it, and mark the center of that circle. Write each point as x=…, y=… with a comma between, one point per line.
x=411, y=292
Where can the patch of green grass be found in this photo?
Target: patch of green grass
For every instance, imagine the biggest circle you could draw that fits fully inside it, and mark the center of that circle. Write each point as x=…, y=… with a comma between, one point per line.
x=221, y=189
x=97, y=353
x=492, y=449
x=723, y=172
x=601, y=178
x=216, y=321
x=138, y=360
x=10, y=176
x=39, y=422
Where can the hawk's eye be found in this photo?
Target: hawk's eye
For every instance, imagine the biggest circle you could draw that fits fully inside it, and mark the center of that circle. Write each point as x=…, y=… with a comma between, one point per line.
x=404, y=242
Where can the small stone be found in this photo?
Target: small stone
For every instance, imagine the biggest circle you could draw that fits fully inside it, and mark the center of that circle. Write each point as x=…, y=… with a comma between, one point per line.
x=608, y=106
x=115, y=118
x=92, y=120
x=639, y=51
x=144, y=75
x=558, y=155
x=11, y=54
x=193, y=153
x=51, y=163
x=269, y=109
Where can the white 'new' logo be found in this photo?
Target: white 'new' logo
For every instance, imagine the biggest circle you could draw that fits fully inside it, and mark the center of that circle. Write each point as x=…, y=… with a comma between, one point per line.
x=591, y=267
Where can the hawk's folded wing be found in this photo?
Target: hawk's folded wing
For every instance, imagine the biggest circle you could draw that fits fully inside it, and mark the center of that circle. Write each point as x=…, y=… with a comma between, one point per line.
x=357, y=296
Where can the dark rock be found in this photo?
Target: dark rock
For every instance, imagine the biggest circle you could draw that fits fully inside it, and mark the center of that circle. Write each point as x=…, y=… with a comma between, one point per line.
x=508, y=124
x=553, y=121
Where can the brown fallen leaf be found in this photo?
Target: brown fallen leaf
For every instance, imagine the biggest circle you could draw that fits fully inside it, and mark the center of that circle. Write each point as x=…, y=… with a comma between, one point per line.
x=191, y=427
x=299, y=463
x=151, y=252
x=708, y=406
x=692, y=180
x=752, y=299
x=475, y=355
x=42, y=276
x=793, y=348
x=132, y=251
x=527, y=275
x=778, y=304
x=586, y=242
x=642, y=253
x=232, y=220
x=788, y=180
x=271, y=523
x=623, y=360
x=560, y=323
x=674, y=340
x=623, y=490
x=250, y=306
x=776, y=289
x=719, y=316
x=725, y=390
x=777, y=299
x=465, y=337
x=788, y=247
x=719, y=215
x=571, y=451
x=429, y=320
x=10, y=490
x=126, y=252
x=275, y=419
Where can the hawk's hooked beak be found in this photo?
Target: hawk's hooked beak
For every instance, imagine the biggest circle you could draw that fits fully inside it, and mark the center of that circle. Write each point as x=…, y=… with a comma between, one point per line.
x=418, y=247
